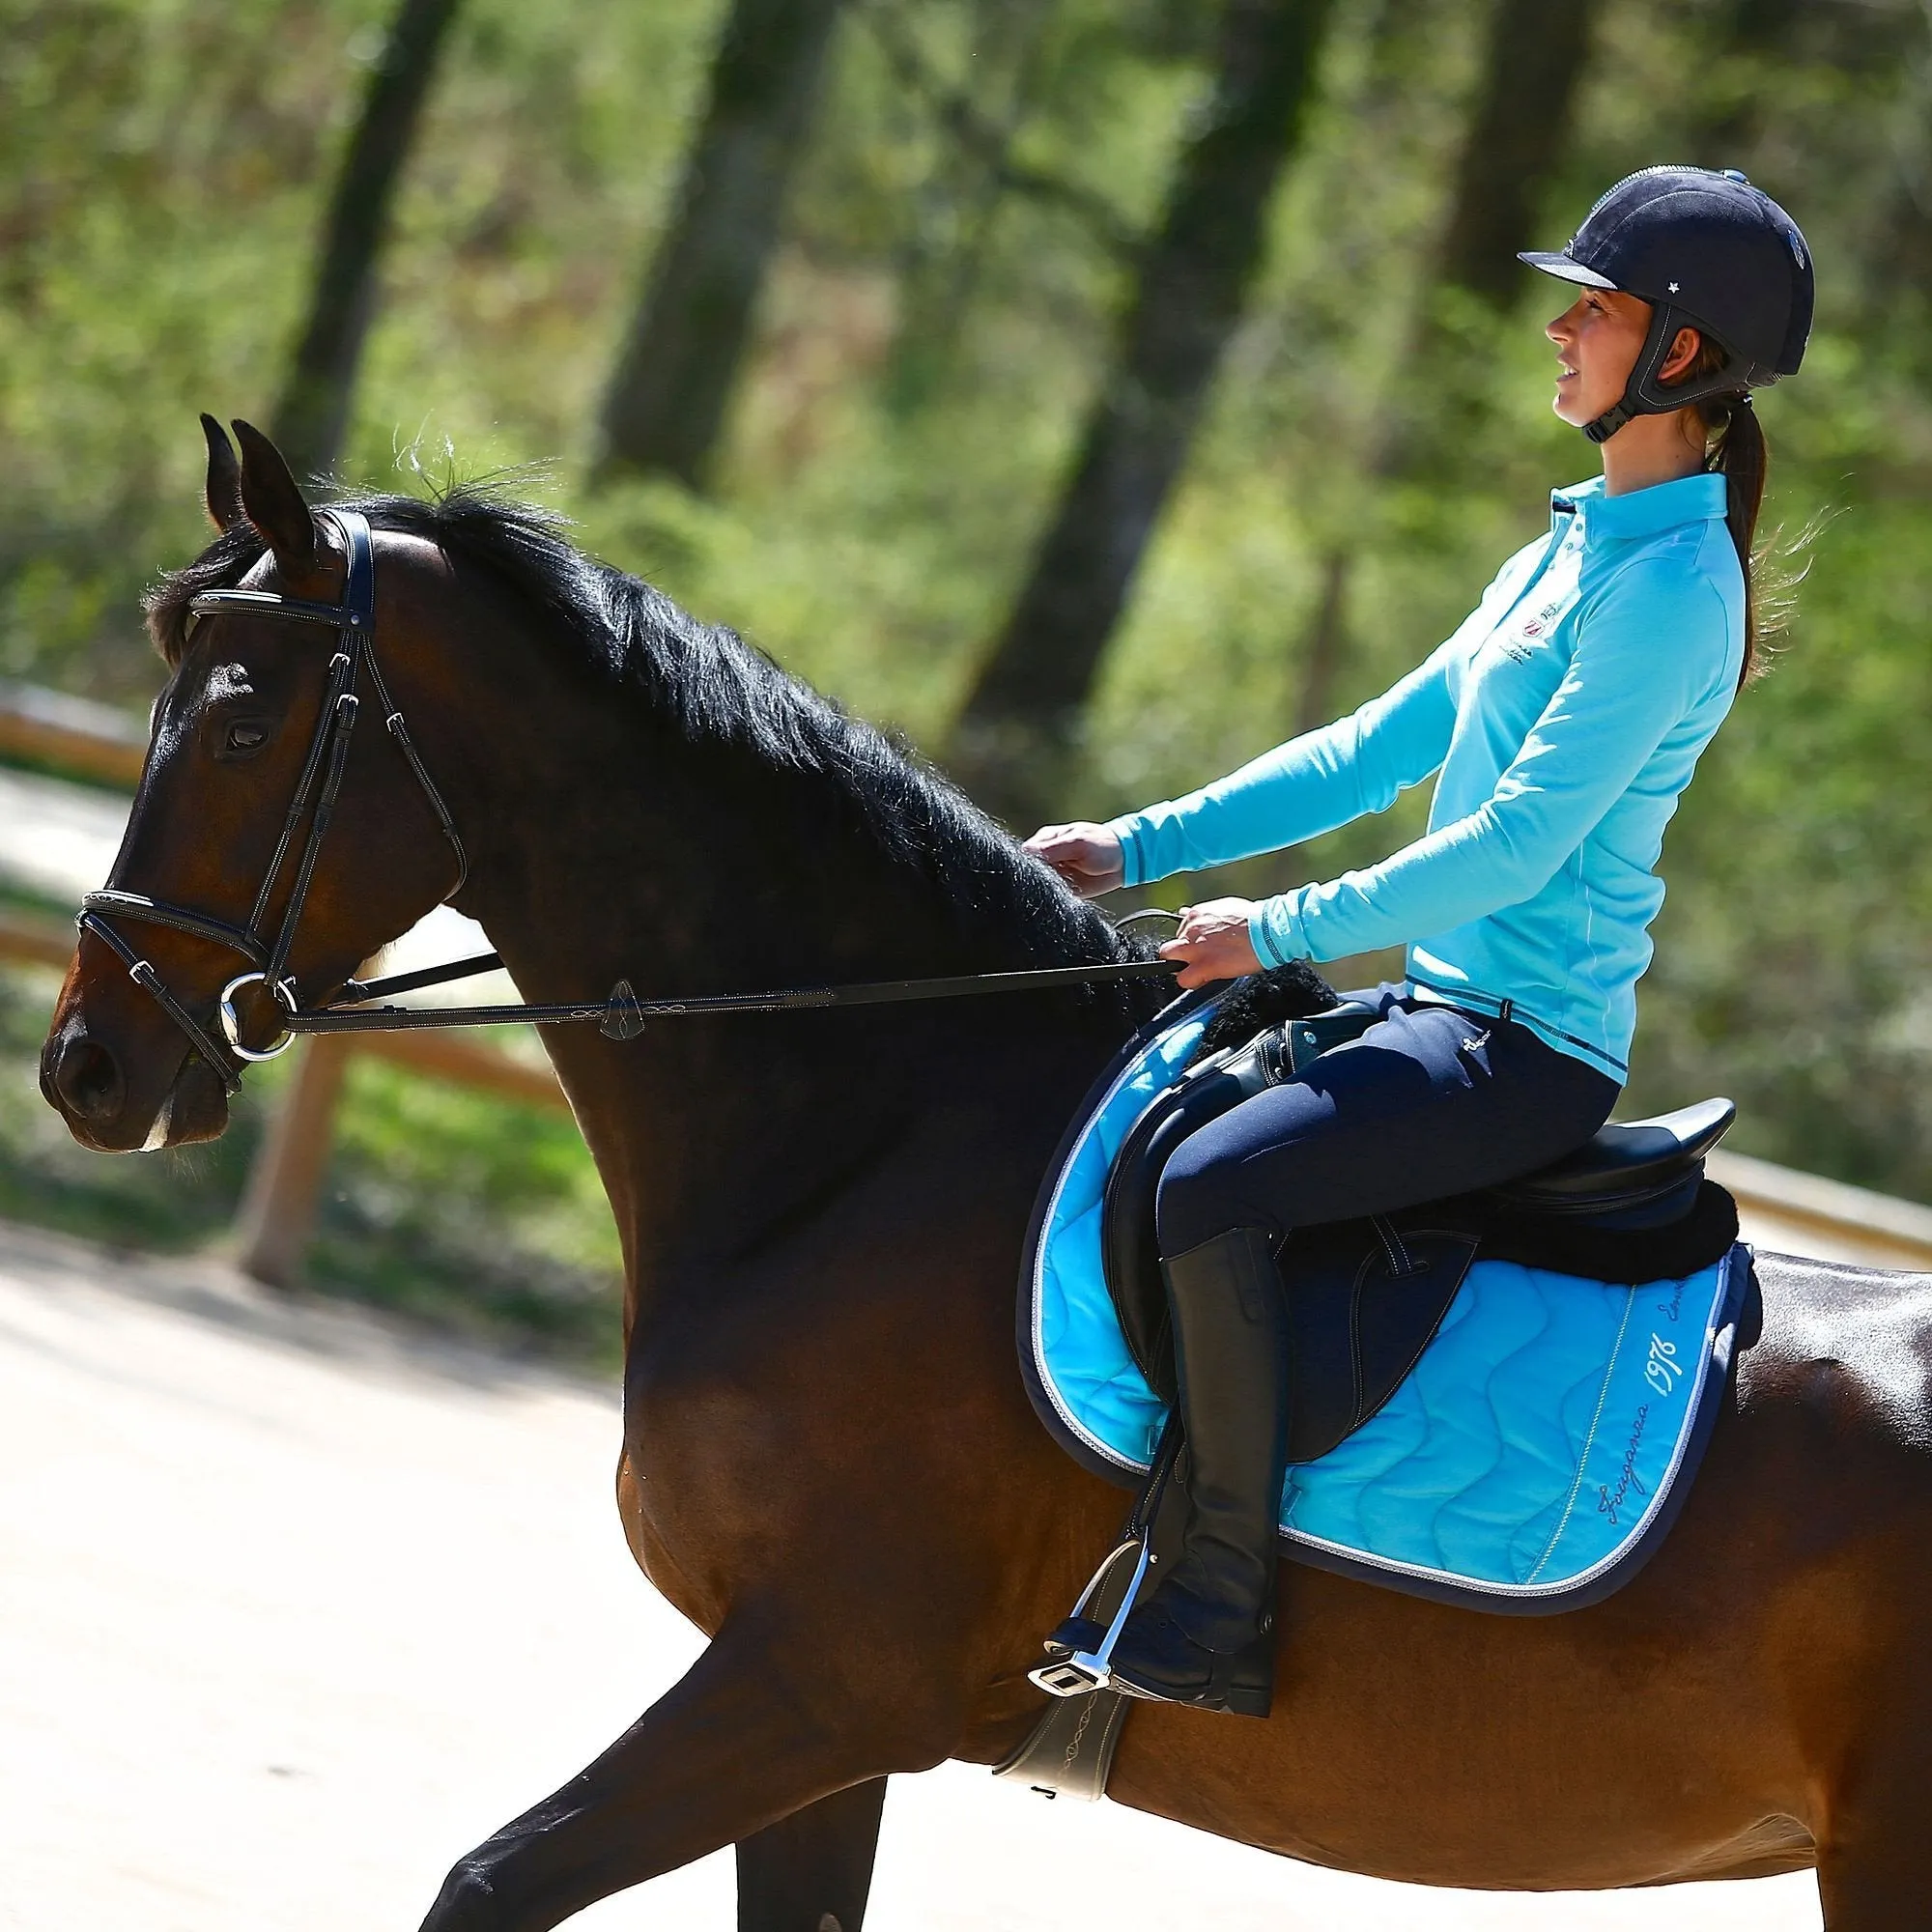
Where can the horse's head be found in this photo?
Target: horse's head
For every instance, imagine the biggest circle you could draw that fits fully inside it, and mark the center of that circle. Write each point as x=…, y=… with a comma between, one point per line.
x=241, y=737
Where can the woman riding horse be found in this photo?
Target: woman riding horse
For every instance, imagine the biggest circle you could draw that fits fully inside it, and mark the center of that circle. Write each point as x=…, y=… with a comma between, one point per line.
x=1564, y=719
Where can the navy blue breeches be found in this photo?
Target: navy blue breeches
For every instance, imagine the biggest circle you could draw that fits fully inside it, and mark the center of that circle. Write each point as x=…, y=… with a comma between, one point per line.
x=1428, y=1101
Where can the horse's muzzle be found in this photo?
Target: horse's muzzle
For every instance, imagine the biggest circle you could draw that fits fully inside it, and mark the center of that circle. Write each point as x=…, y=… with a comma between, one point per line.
x=84, y=1081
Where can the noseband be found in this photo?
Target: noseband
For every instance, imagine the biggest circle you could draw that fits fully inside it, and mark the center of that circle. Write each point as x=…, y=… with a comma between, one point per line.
x=353, y=620
x=620, y=1016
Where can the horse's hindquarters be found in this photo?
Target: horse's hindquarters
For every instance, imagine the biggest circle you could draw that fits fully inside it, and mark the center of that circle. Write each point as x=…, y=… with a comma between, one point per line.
x=1765, y=1683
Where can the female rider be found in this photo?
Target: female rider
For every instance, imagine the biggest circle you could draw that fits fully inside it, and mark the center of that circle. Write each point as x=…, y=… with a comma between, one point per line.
x=1563, y=720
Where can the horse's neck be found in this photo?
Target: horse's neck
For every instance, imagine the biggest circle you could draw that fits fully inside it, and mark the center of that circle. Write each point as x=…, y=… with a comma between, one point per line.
x=643, y=861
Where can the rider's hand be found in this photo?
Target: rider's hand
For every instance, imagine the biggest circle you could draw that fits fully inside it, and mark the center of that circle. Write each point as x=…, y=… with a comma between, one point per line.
x=1087, y=857
x=1213, y=942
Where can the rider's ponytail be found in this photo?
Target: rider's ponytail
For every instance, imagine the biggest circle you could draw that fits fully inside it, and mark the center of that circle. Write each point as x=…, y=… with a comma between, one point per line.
x=1735, y=449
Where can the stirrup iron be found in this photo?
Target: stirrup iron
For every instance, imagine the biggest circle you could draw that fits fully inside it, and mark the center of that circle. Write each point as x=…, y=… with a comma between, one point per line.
x=1080, y=1650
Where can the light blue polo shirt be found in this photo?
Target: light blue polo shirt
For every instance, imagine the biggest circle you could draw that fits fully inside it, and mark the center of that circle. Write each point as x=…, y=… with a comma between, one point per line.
x=1565, y=717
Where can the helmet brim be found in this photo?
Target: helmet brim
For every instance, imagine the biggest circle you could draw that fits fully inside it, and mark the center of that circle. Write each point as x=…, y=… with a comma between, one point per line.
x=1566, y=269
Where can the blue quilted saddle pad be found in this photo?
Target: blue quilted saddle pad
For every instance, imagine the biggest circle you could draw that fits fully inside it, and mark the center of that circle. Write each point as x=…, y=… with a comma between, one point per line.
x=1533, y=1459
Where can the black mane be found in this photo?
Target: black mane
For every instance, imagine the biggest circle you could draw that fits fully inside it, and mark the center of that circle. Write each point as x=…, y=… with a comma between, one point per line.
x=713, y=687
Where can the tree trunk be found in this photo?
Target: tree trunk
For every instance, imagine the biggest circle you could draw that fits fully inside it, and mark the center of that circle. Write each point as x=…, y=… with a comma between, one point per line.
x=956, y=207
x=1193, y=281
x=313, y=412
x=1517, y=131
x=1326, y=647
x=665, y=404
x=1517, y=135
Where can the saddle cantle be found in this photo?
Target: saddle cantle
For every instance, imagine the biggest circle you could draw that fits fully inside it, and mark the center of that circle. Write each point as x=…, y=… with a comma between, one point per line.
x=1637, y=1164
x=1368, y=1296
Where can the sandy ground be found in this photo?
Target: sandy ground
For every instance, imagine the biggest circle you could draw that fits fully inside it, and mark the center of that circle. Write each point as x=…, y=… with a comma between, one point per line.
x=294, y=1607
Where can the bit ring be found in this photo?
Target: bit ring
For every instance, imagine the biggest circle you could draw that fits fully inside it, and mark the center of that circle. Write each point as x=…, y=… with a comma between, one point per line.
x=231, y=1025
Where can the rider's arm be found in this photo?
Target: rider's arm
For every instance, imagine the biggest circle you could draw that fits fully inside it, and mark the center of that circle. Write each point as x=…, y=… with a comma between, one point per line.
x=1311, y=784
x=1323, y=779
x=1653, y=650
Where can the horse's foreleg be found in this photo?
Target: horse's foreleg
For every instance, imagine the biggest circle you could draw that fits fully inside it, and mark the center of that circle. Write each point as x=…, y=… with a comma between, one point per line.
x=812, y=1873
x=1875, y=1864
x=754, y=1733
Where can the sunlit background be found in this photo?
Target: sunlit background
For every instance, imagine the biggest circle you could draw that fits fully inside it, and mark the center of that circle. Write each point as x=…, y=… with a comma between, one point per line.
x=848, y=323
x=960, y=210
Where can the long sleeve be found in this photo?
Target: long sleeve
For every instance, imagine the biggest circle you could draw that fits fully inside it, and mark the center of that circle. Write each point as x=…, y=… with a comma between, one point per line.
x=1645, y=657
x=1327, y=777
x=1309, y=785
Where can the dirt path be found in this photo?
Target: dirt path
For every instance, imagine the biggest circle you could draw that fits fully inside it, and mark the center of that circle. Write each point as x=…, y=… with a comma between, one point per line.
x=294, y=1608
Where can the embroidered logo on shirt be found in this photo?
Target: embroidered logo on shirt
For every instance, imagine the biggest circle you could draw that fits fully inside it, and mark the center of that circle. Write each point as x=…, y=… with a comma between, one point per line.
x=1519, y=646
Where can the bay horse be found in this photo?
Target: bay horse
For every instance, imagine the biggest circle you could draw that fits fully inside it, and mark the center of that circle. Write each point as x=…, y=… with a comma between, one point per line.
x=828, y=1462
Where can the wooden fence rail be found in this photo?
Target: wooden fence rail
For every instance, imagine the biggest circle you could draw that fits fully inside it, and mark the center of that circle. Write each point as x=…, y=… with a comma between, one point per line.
x=278, y=1204
x=72, y=734
x=279, y=1207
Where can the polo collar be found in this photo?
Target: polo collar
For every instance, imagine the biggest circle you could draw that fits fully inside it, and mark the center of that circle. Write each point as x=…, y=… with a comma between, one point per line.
x=1643, y=513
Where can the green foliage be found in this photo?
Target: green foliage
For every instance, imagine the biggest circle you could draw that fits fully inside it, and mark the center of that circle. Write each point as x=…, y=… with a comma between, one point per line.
x=950, y=284
x=471, y=1212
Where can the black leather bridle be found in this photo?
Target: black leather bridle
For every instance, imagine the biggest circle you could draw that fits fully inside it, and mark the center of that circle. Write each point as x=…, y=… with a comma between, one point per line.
x=621, y=1015
x=354, y=621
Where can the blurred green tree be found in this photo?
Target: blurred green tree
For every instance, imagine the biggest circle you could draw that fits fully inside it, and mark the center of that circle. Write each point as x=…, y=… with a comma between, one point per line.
x=312, y=414
x=952, y=269
x=1515, y=139
x=1024, y=709
x=665, y=408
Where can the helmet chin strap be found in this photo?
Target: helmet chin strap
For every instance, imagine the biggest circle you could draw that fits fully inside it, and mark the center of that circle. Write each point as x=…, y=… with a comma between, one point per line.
x=1644, y=396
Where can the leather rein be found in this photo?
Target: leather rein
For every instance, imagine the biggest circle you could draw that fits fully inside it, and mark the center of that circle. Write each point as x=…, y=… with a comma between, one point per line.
x=621, y=1015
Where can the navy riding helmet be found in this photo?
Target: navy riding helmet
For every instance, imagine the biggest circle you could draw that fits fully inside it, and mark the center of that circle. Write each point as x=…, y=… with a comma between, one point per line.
x=1711, y=252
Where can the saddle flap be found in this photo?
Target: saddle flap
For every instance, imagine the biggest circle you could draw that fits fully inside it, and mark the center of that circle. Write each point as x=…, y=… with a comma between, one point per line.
x=1364, y=1303
x=1366, y=1297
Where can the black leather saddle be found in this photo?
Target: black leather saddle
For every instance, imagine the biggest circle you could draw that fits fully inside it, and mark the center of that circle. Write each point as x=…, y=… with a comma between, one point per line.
x=1366, y=1297
x=1626, y=1165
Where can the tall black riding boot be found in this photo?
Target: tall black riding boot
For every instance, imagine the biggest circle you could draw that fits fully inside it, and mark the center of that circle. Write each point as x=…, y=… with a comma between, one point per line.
x=1206, y=1637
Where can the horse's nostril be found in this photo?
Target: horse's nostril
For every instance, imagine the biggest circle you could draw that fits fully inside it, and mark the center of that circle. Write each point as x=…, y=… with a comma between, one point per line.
x=87, y=1077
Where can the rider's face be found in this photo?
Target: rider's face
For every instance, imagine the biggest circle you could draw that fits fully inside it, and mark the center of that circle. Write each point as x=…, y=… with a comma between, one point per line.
x=1597, y=340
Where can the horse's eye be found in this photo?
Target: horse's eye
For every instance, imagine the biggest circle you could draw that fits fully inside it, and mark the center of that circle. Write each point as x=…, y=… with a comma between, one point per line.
x=243, y=739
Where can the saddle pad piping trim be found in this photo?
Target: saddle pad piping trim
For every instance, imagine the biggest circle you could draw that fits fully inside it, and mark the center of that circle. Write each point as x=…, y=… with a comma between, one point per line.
x=1596, y=1423
x=1062, y=1173
x=1610, y=1572
x=1092, y=1454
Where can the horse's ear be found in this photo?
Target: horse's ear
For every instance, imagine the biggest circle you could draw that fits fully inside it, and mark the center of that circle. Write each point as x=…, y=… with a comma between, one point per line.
x=222, y=491
x=273, y=501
